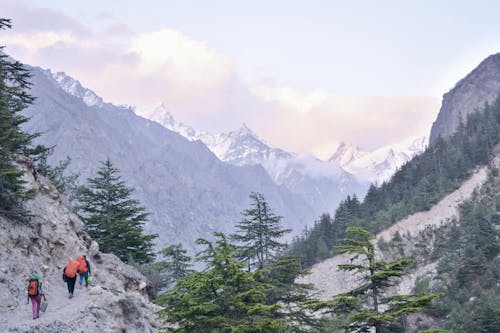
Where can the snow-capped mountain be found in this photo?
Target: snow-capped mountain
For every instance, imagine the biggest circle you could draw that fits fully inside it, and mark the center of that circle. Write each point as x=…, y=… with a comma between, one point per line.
x=323, y=185
x=74, y=87
x=239, y=147
x=379, y=165
x=346, y=153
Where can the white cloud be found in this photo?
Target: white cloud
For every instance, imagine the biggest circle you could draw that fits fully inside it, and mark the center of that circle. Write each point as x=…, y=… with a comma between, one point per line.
x=201, y=87
x=190, y=64
x=290, y=98
x=33, y=42
x=316, y=121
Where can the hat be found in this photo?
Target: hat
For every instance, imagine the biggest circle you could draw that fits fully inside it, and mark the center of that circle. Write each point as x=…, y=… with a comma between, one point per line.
x=34, y=276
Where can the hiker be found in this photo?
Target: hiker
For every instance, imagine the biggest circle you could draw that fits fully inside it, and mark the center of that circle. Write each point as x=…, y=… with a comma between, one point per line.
x=35, y=294
x=69, y=275
x=84, y=270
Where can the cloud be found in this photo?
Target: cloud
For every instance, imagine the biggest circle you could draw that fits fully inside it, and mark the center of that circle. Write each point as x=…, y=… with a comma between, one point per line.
x=203, y=88
x=31, y=19
x=190, y=70
x=318, y=120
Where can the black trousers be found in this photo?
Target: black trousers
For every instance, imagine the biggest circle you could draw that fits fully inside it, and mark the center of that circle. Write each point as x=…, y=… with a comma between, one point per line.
x=71, y=284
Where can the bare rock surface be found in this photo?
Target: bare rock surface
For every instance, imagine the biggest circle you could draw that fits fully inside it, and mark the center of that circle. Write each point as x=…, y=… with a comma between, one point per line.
x=470, y=94
x=116, y=302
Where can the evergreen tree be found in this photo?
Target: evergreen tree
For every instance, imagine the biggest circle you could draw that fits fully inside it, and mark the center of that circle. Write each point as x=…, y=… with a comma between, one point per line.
x=64, y=183
x=292, y=296
x=178, y=261
x=258, y=233
x=368, y=304
x=172, y=265
x=222, y=298
x=113, y=218
x=14, y=97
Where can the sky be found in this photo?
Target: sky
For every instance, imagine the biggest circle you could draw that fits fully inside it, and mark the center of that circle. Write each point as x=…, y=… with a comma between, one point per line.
x=304, y=75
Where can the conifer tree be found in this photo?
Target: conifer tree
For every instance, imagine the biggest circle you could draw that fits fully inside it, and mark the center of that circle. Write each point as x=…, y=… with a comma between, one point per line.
x=258, y=236
x=177, y=260
x=113, y=218
x=368, y=304
x=222, y=298
x=258, y=233
x=172, y=265
x=14, y=97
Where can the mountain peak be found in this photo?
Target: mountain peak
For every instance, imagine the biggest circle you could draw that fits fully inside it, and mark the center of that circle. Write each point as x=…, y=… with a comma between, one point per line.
x=346, y=153
x=244, y=130
x=75, y=88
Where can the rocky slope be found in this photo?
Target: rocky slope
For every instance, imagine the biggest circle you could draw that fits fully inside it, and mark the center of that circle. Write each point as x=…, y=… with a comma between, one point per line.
x=470, y=94
x=117, y=301
x=328, y=280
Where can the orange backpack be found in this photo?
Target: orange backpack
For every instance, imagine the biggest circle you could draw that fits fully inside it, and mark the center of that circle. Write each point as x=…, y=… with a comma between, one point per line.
x=72, y=268
x=83, y=265
x=33, y=288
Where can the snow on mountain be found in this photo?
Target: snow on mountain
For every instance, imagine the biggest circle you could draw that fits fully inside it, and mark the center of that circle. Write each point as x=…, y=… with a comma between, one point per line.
x=322, y=184
x=347, y=171
x=239, y=147
x=345, y=154
x=379, y=165
x=74, y=87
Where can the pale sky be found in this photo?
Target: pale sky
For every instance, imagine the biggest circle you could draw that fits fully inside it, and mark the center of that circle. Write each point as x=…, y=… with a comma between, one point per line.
x=303, y=75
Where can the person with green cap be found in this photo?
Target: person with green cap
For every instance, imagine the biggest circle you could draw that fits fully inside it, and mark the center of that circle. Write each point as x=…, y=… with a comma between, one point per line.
x=35, y=294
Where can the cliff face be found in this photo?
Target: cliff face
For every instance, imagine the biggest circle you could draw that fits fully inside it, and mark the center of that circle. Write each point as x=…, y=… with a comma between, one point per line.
x=470, y=94
x=116, y=301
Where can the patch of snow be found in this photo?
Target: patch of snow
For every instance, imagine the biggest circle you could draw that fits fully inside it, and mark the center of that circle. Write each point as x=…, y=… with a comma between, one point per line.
x=74, y=88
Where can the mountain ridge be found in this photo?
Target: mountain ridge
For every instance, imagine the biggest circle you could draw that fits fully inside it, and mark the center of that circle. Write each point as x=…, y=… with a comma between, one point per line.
x=187, y=190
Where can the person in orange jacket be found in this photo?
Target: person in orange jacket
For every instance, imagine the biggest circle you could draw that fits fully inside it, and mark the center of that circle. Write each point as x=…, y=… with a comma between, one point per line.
x=69, y=275
x=84, y=270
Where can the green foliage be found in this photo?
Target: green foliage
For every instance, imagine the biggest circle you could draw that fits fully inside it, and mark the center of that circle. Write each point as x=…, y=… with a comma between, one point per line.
x=14, y=97
x=368, y=305
x=172, y=264
x=112, y=218
x=258, y=233
x=64, y=183
x=246, y=287
x=468, y=269
x=222, y=298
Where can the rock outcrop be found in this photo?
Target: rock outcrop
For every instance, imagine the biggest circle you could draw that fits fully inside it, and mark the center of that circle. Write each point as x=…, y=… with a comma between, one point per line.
x=115, y=302
x=470, y=94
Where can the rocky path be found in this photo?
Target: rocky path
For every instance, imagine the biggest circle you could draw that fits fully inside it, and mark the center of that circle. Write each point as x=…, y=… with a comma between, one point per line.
x=43, y=244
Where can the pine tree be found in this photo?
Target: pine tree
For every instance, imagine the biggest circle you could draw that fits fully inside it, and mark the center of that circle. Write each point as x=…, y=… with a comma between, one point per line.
x=178, y=261
x=14, y=97
x=222, y=298
x=172, y=265
x=258, y=233
x=368, y=304
x=113, y=218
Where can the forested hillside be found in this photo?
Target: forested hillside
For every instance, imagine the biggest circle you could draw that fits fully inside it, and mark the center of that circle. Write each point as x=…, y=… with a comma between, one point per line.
x=415, y=187
x=468, y=270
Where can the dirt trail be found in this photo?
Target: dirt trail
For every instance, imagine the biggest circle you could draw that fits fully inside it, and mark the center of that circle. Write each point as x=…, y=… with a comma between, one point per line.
x=61, y=311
